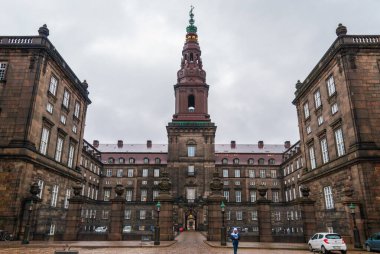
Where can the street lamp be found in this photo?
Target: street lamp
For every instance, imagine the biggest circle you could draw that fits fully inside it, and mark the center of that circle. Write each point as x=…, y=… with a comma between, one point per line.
x=157, y=228
x=357, y=243
x=25, y=240
x=223, y=229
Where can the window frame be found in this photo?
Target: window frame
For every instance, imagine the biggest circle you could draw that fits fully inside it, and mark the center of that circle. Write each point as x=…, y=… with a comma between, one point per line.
x=53, y=86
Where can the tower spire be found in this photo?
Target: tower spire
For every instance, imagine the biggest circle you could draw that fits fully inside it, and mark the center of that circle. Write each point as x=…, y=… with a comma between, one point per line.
x=191, y=28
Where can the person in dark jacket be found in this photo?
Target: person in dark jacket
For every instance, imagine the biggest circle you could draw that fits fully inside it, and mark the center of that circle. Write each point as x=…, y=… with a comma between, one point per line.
x=235, y=237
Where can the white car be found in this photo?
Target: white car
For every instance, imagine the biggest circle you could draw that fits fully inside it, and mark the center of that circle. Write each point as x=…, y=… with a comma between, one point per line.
x=101, y=229
x=327, y=242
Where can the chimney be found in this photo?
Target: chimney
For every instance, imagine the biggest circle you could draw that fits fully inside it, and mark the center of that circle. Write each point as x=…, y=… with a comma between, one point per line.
x=260, y=144
x=120, y=143
x=149, y=143
x=233, y=144
x=95, y=143
x=287, y=144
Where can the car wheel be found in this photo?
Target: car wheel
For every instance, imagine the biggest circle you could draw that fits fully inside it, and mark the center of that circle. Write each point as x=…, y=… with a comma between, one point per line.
x=324, y=251
x=368, y=248
x=311, y=248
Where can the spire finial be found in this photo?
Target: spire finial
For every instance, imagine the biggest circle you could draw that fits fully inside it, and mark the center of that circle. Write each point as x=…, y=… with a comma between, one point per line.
x=191, y=28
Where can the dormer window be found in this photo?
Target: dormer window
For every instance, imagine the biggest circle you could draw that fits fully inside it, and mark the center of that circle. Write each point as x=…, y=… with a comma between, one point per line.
x=236, y=161
x=224, y=161
x=131, y=160
x=111, y=160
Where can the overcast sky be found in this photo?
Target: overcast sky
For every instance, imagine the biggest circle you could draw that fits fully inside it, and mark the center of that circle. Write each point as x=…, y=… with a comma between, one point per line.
x=129, y=52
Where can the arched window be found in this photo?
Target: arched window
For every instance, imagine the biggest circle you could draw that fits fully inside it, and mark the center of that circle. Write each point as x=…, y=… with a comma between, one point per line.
x=191, y=57
x=250, y=161
x=121, y=160
x=271, y=161
x=236, y=161
x=157, y=161
x=111, y=160
x=261, y=161
x=131, y=160
x=146, y=160
x=191, y=103
x=224, y=161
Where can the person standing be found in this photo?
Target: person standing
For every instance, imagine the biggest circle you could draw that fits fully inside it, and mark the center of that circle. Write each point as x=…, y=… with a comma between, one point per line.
x=235, y=237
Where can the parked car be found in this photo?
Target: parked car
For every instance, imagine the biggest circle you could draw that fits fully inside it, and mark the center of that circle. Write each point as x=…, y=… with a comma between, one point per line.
x=101, y=229
x=127, y=229
x=373, y=242
x=327, y=242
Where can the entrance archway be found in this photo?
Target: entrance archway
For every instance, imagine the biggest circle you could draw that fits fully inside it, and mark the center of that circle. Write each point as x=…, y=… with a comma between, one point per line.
x=190, y=220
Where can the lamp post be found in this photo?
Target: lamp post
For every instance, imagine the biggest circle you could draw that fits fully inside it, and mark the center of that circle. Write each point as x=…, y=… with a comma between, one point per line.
x=157, y=228
x=357, y=243
x=25, y=239
x=223, y=229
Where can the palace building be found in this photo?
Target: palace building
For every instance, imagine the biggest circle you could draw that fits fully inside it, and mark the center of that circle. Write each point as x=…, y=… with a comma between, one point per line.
x=56, y=185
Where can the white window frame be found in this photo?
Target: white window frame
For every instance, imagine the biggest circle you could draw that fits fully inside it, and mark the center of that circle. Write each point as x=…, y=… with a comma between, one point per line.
x=75, y=129
x=109, y=172
x=52, y=229
x=145, y=172
x=324, y=150
x=334, y=108
x=306, y=110
x=120, y=172
x=313, y=163
x=320, y=120
x=142, y=214
x=329, y=200
x=70, y=161
x=238, y=196
x=339, y=141
x=275, y=196
x=190, y=170
x=144, y=195
x=107, y=194
x=67, y=197
x=128, y=195
x=262, y=173
x=54, y=195
x=251, y=173
x=226, y=195
x=155, y=194
x=253, y=196
x=273, y=173
x=44, y=140
x=77, y=109
x=49, y=108
x=254, y=215
x=156, y=172
x=237, y=172
x=41, y=185
x=331, y=85
x=191, y=151
x=66, y=99
x=130, y=172
x=225, y=172
x=317, y=99
x=239, y=215
x=58, y=149
x=127, y=214
x=53, y=85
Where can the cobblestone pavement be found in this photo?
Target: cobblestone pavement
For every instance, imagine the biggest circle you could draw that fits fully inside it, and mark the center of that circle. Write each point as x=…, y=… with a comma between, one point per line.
x=188, y=242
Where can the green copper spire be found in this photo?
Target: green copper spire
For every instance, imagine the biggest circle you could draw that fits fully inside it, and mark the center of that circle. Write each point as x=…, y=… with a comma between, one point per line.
x=191, y=28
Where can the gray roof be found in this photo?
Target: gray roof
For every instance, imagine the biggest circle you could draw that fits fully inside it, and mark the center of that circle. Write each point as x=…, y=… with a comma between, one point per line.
x=163, y=148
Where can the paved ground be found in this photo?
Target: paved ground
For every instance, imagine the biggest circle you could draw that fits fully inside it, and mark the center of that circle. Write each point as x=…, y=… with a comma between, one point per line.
x=187, y=242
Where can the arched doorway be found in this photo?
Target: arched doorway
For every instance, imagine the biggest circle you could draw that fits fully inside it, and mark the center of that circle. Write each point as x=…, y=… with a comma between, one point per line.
x=190, y=220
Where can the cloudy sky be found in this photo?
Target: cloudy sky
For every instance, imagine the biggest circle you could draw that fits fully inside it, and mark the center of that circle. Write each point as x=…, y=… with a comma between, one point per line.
x=130, y=51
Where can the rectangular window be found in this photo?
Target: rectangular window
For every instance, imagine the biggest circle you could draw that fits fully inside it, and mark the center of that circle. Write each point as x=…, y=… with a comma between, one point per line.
x=308, y=129
x=228, y=215
x=142, y=214
x=156, y=172
x=251, y=173
x=54, y=196
x=238, y=196
x=190, y=194
x=226, y=195
x=52, y=229
x=130, y=172
x=44, y=140
x=75, y=129
x=49, y=108
x=127, y=214
x=254, y=215
x=109, y=172
x=63, y=119
x=144, y=194
x=262, y=173
x=105, y=214
x=317, y=99
x=253, y=196
x=313, y=163
x=145, y=172
x=306, y=110
x=107, y=194
x=239, y=215
x=237, y=172
x=3, y=69
x=53, y=85
x=331, y=85
x=58, y=150
x=120, y=173
x=190, y=170
x=320, y=120
x=225, y=172
x=77, y=109
x=277, y=216
x=41, y=185
x=128, y=195
x=339, y=142
x=273, y=173
x=325, y=152
x=191, y=151
x=66, y=99
x=275, y=196
x=334, y=108
x=144, y=182
x=329, y=201
x=70, y=161
x=67, y=197
x=155, y=194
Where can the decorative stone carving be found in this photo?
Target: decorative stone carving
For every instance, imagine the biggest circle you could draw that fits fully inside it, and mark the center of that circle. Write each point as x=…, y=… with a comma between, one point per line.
x=305, y=190
x=262, y=189
x=34, y=189
x=216, y=184
x=341, y=30
x=43, y=31
x=119, y=190
x=77, y=189
x=165, y=185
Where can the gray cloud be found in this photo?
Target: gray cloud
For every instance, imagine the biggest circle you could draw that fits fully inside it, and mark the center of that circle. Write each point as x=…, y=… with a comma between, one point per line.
x=253, y=53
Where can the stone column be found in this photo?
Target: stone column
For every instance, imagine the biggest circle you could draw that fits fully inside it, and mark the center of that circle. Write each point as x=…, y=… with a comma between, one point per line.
x=264, y=215
x=166, y=211
x=73, y=217
x=214, y=210
x=308, y=213
x=117, y=215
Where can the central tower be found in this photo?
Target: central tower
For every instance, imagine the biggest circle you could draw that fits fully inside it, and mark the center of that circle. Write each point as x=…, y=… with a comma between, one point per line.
x=191, y=134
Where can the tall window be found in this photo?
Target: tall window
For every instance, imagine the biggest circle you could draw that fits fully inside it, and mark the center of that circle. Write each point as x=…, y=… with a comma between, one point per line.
x=312, y=157
x=120, y=173
x=107, y=194
x=155, y=194
x=54, y=196
x=262, y=173
x=58, y=150
x=320, y=120
x=238, y=196
x=127, y=214
x=71, y=156
x=3, y=69
x=251, y=173
x=130, y=172
x=339, y=142
x=156, y=172
x=226, y=195
x=325, y=152
x=53, y=85
x=275, y=196
x=44, y=140
x=66, y=99
x=145, y=172
x=273, y=173
x=77, y=109
x=237, y=172
x=191, y=151
x=144, y=194
x=239, y=215
x=190, y=170
x=331, y=85
x=334, y=108
x=306, y=110
x=109, y=172
x=254, y=215
x=329, y=201
x=128, y=195
x=41, y=185
x=253, y=196
x=225, y=172
x=317, y=99
x=67, y=196
x=52, y=229
x=142, y=214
